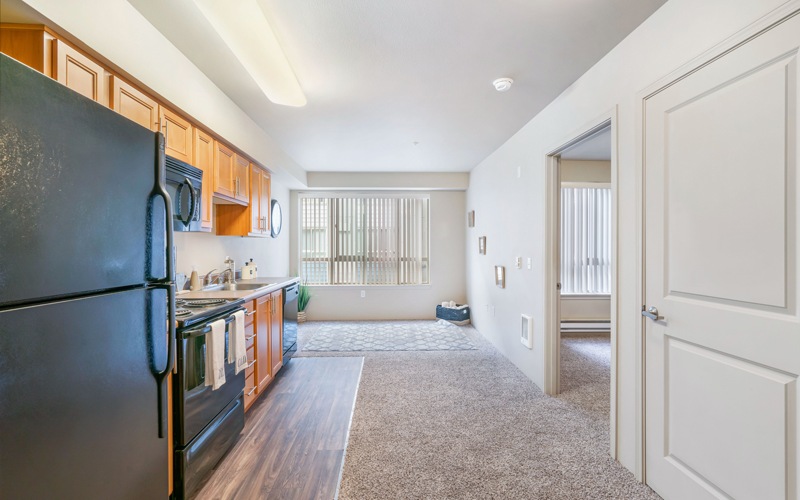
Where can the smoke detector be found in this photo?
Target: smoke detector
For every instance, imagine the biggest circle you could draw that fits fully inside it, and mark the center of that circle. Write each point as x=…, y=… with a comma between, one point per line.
x=502, y=84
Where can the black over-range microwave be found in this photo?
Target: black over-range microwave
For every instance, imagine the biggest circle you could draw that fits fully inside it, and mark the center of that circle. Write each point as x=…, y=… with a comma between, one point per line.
x=185, y=187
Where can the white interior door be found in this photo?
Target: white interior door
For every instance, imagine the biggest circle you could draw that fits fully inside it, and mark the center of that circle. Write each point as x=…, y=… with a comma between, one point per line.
x=721, y=253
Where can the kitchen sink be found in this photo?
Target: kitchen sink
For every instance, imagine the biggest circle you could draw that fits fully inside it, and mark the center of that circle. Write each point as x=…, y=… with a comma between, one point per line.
x=235, y=286
x=246, y=286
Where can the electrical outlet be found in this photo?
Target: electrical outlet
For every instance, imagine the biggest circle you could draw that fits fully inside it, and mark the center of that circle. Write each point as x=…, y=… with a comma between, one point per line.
x=530, y=263
x=519, y=262
x=493, y=311
x=363, y=293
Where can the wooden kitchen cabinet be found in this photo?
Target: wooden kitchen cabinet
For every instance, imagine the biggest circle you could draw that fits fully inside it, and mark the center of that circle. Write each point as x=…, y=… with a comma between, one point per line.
x=241, y=174
x=79, y=72
x=39, y=48
x=223, y=171
x=29, y=44
x=177, y=134
x=132, y=103
x=253, y=219
x=204, y=160
x=266, y=351
x=263, y=344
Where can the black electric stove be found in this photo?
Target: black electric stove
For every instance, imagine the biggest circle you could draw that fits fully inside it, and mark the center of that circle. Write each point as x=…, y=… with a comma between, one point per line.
x=207, y=422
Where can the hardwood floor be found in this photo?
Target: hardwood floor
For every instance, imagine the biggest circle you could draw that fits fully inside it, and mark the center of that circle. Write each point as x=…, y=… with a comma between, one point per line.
x=294, y=439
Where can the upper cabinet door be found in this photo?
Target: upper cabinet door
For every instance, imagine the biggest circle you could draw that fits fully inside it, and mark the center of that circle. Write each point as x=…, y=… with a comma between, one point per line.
x=223, y=170
x=177, y=134
x=79, y=73
x=256, y=221
x=132, y=103
x=204, y=160
x=241, y=175
x=265, y=199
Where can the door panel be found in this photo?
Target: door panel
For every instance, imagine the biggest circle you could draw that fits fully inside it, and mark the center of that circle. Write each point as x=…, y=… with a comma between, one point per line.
x=79, y=73
x=131, y=103
x=721, y=190
x=177, y=135
x=204, y=160
x=698, y=260
x=697, y=440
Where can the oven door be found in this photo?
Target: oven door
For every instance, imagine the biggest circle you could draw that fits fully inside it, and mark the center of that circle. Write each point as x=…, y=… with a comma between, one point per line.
x=185, y=187
x=198, y=403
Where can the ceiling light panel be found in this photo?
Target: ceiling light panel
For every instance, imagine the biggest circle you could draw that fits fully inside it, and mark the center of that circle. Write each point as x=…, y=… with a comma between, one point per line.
x=243, y=27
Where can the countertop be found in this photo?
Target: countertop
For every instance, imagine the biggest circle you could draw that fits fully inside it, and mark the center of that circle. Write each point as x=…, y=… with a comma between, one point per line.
x=270, y=285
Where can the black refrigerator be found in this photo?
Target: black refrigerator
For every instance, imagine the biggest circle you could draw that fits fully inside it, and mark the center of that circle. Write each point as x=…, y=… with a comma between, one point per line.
x=86, y=296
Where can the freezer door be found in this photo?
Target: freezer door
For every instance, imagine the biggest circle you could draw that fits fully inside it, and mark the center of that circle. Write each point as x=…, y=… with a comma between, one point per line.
x=77, y=200
x=79, y=402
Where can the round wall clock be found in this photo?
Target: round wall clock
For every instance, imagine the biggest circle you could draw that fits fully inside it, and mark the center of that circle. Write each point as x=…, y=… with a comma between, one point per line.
x=276, y=219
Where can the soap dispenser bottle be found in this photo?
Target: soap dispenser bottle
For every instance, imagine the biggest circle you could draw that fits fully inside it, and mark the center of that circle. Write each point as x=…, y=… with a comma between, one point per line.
x=194, y=281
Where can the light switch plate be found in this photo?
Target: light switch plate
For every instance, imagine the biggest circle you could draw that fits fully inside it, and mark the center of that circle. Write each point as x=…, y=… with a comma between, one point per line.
x=519, y=262
x=530, y=264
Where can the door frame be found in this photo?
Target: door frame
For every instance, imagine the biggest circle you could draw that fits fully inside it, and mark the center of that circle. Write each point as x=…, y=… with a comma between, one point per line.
x=552, y=314
x=729, y=44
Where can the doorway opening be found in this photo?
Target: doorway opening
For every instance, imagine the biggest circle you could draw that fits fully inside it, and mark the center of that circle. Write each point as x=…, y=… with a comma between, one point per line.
x=580, y=345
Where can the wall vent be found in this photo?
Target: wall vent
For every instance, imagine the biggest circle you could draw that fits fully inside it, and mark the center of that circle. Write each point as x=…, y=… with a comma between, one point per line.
x=526, y=331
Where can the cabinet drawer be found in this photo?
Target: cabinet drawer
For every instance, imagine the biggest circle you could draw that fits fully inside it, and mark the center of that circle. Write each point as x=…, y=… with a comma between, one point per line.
x=249, y=315
x=249, y=336
x=251, y=357
x=249, y=391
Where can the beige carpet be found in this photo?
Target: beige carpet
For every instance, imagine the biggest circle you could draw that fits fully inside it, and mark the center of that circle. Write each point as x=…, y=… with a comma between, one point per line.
x=470, y=425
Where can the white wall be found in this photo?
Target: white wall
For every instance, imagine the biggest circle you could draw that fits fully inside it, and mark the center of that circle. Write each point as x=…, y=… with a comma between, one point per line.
x=585, y=170
x=510, y=211
x=208, y=251
x=448, y=220
x=585, y=307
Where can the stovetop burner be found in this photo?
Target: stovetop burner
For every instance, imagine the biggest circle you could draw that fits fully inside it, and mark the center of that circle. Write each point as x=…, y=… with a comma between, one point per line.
x=200, y=302
x=181, y=312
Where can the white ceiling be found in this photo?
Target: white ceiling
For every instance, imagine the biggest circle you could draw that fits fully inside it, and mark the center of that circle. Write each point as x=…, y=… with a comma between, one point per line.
x=596, y=147
x=381, y=76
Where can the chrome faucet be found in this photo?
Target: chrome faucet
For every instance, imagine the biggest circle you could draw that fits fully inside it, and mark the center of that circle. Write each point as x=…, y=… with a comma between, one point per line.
x=229, y=278
x=207, y=279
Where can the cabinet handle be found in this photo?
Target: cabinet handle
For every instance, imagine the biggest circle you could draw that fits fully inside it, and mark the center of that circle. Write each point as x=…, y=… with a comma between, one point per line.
x=252, y=390
x=251, y=337
x=250, y=364
x=250, y=313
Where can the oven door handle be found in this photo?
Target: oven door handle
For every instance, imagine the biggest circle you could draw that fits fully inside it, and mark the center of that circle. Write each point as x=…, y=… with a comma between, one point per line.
x=199, y=332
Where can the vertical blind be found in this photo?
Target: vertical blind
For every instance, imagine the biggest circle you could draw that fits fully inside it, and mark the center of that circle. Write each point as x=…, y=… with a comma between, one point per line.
x=364, y=240
x=585, y=240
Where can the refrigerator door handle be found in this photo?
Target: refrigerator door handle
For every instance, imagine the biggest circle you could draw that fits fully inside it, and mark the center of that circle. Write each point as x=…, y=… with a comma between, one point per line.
x=167, y=282
x=161, y=375
x=159, y=190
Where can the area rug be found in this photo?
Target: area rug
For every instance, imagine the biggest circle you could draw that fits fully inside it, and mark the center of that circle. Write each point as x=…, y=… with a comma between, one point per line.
x=341, y=336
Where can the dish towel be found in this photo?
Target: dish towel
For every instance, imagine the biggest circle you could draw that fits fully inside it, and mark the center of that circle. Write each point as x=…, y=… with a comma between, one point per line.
x=215, y=355
x=237, y=353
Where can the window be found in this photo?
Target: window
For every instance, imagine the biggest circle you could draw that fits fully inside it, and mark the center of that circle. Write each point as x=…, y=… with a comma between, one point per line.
x=364, y=239
x=585, y=240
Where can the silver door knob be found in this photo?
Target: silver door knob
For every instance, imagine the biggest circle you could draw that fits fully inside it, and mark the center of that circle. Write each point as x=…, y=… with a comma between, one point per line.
x=652, y=313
